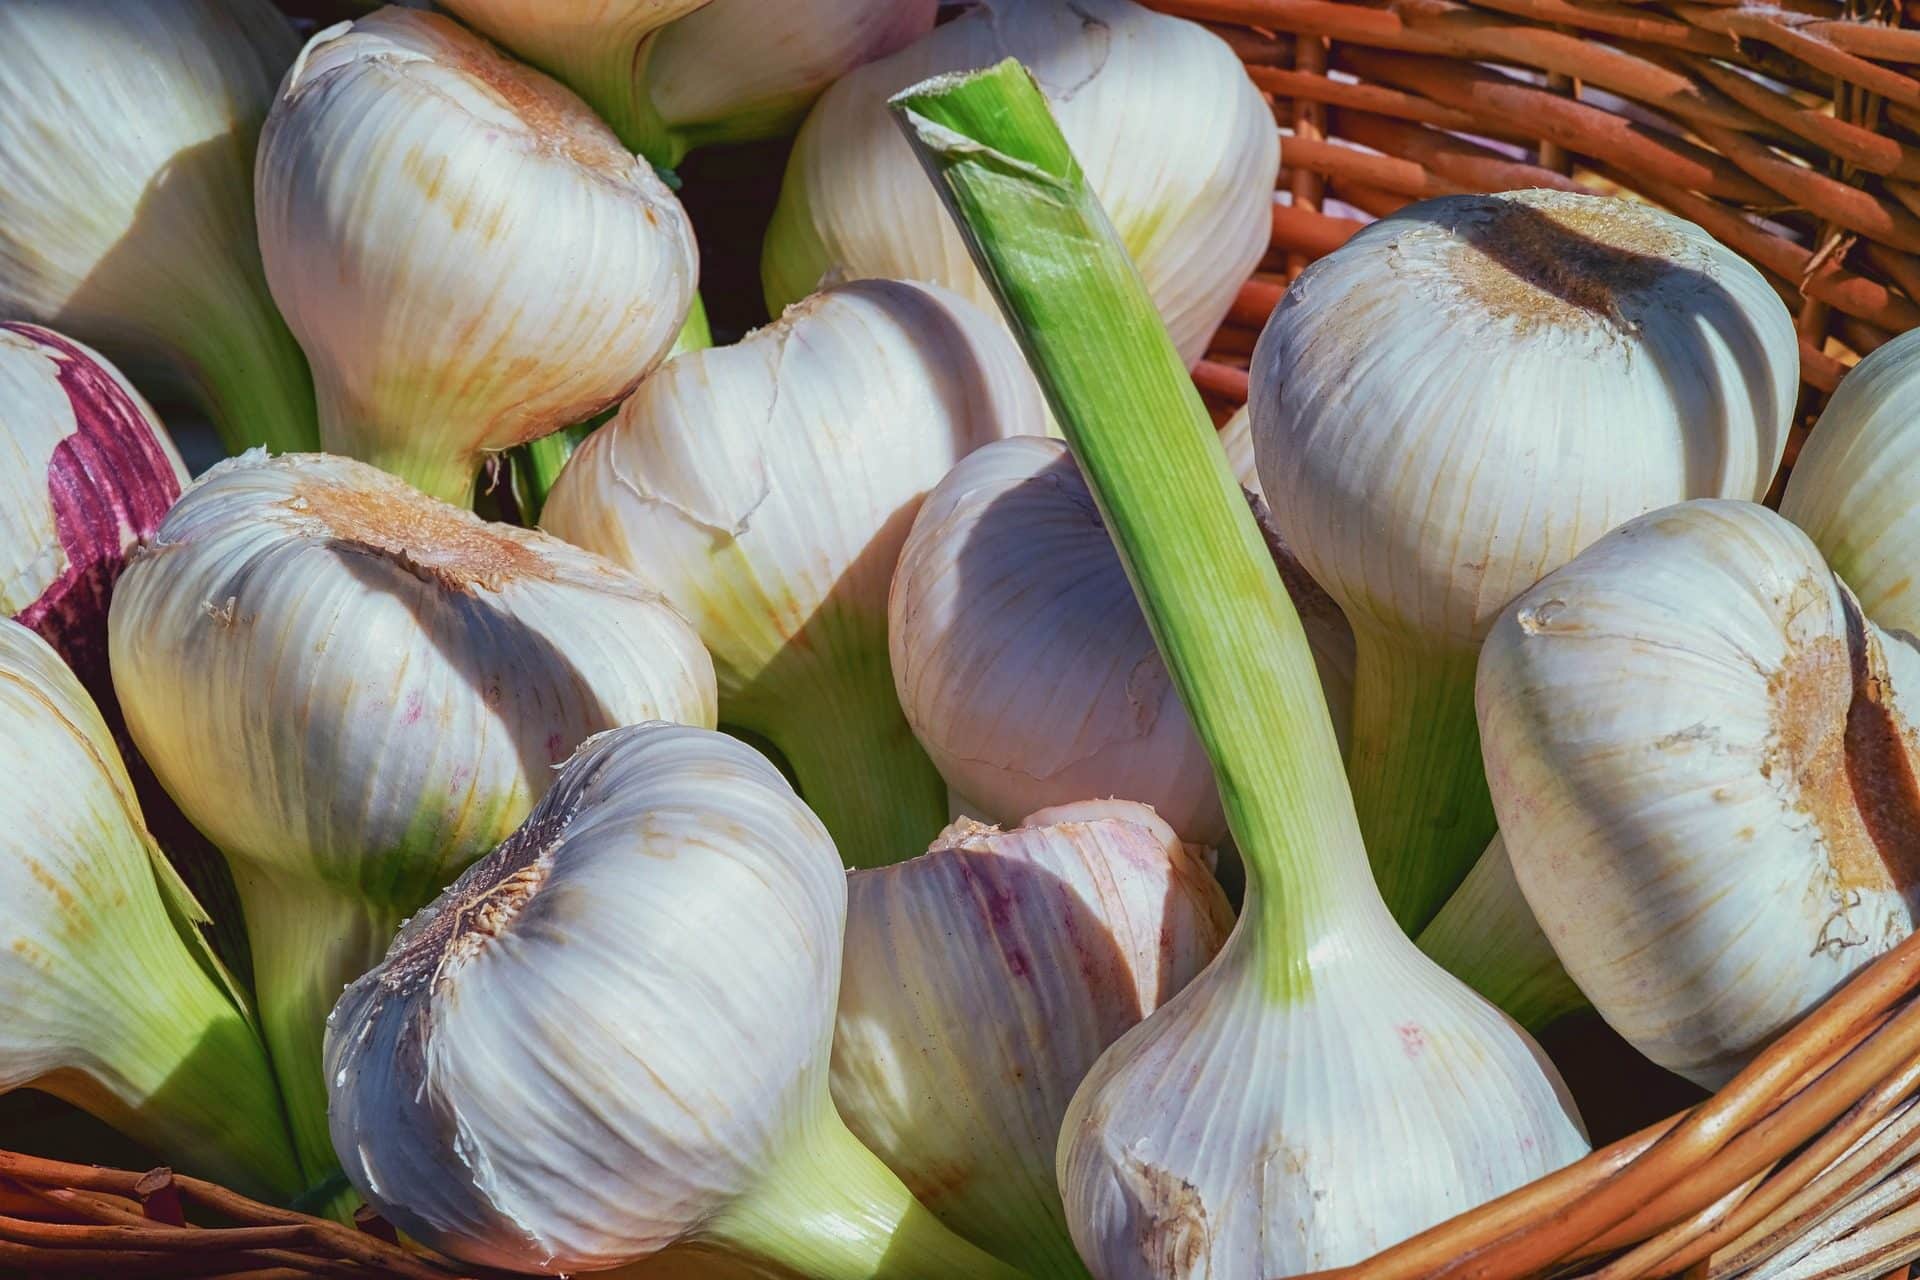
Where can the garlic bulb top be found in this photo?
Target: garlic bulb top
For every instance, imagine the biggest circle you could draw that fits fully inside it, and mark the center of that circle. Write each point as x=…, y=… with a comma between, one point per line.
x=611, y=1034
x=126, y=198
x=981, y=981
x=112, y=1000
x=355, y=690
x=766, y=488
x=1692, y=736
x=1852, y=486
x=1177, y=143
x=1022, y=659
x=1537, y=367
x=86, y=470
x=469, y=256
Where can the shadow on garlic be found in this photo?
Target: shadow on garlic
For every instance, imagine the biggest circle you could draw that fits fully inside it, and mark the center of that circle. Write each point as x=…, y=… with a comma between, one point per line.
x=610, y=1037
x=766, y=489
x=981, y=981
x=468, y=255
x=1705, y=778
x=355, y=690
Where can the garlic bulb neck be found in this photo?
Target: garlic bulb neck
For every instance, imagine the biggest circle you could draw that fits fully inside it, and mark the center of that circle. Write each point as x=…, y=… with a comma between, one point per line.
x=1538, y=367
x=466, y=252
x=1486, y=936
x=136, y=236
x=113, y=1000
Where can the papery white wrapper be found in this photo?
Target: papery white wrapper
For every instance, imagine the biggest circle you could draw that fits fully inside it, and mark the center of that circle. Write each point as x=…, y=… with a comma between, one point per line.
x=1176, y=142
x=466, y=252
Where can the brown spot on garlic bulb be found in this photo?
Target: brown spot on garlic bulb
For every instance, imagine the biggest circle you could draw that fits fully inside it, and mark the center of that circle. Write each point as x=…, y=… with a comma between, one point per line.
x=451, y=547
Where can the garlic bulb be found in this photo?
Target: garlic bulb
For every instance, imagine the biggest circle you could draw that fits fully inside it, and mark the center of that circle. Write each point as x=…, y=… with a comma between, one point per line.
x=1539, y=367
x=86, y=470
x=611, y=1036
x=670, y=75
x=1179, y=146
x=355, y=690
x=112, y=1001
x=1022, y=659
x=469, y=256
x=983, y=978
x=1852, y=488
x=766, y=488
x=1704, y=777
x=126, y=198
x=1486, y=936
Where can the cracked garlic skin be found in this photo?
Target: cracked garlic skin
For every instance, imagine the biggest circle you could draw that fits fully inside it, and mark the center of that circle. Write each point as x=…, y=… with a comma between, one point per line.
x=1852, y=487
x=111, y=995
x=1023, y=661
x=126, y=198
x=1176, y=141
x=354, y=691
x=981, y=981
x=766, y=489
x=466, y=252
x=1268, y=1124
x=610, y=1037
x=1704, y=778
x=1456, y=402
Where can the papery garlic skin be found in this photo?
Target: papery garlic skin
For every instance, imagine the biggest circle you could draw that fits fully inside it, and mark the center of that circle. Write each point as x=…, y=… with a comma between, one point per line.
x=611, y=1035
x=355, y=690
x=112, y=1000
x=981, y=981
x=1021, y=657
x=1177, y=143
x=766, y=489
x=1673, y=724
x=1852, y=487
x=1538, y=366
x=1165, y=1171
x=126, y=197
x=1487, y=937
x=468, y=255
x=86, y=470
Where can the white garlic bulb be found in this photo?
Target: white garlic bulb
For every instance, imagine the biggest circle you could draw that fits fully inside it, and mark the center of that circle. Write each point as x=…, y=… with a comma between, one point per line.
x=354, y=691
x=981, y=981
x=670, y=75
x=466, y=252
x=126, y=198
x=1176, y=142
x=1852, y=488
x=1022, y=659
x=610, y=1036
x=766, y=488
x=112, y=1000
x=1704, y=777
x=1457, y=401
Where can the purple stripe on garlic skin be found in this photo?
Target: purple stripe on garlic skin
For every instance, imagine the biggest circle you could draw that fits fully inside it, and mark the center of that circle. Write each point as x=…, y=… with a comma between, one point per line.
x=106, y=485
x=983, y=978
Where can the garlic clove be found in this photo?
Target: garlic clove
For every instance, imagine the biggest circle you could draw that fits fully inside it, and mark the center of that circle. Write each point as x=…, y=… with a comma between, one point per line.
x=983, y=978
x=466, y=252
x=354, y=690
x=766, y=489
x=126, y=198
x=1704, y=777
x=1539, y=366
x=1177, y=143
x=610, y=1036
x=1852, y=486
x=113, y=1002
x=1023, y=662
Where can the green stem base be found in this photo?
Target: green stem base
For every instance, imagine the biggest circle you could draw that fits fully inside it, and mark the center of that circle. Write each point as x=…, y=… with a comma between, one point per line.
x=1487, y=937
x=1418, y=782
x=252, y=377
x=829, y=1210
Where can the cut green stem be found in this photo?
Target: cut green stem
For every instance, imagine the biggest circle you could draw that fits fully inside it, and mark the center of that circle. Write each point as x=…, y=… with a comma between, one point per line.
x=1418, y=781
x=1205, y=580
x=1487, y=937
x=828, y=1208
